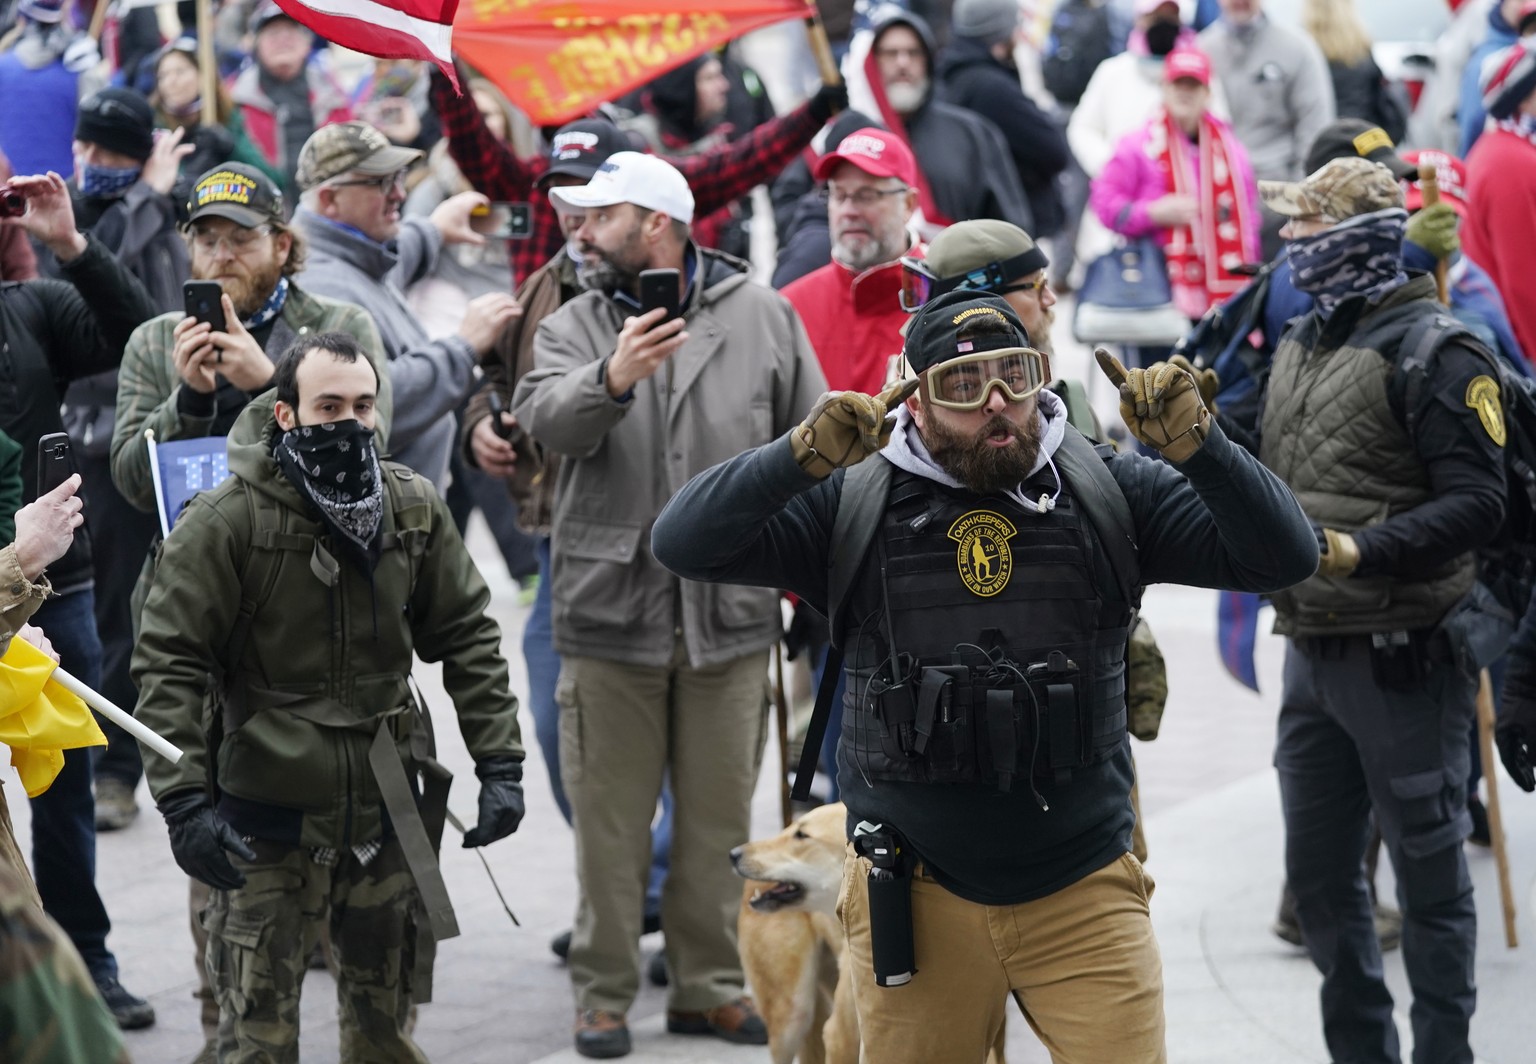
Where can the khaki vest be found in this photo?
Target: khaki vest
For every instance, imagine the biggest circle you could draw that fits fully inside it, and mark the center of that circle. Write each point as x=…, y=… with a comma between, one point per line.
x=1330, y=434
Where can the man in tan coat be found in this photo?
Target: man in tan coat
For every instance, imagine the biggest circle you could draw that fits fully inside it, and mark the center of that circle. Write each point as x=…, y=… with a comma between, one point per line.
x=660, y=677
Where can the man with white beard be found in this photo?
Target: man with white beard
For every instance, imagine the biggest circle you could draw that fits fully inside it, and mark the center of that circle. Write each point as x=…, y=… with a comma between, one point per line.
x=966, y=169
x=852, y=306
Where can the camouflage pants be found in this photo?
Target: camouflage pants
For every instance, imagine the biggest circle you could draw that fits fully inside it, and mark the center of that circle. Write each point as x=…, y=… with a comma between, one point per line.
x=260, y=937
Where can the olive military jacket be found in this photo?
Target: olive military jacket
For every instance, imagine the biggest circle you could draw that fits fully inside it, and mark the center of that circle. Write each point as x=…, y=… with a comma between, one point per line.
x=320, y=669
x=148, y=387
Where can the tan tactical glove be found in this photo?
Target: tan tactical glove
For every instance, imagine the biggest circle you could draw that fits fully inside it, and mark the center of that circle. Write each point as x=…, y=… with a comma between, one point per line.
x=1206, y=381
x=1161, y=406
x=844, y=428
x=1339, y=555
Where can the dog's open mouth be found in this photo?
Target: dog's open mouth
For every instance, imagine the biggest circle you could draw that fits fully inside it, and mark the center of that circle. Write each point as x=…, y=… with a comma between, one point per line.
x=776, y=897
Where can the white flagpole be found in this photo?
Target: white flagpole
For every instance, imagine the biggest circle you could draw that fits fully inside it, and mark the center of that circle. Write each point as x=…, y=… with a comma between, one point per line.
x=154, y=476
x=123, y=720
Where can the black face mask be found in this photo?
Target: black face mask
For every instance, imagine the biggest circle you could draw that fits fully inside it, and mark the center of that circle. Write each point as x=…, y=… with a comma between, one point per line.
x=336, y=468
x=1162, y=36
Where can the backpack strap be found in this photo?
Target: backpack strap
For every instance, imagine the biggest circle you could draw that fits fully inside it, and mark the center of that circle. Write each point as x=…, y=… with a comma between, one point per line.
x=1104, y=504
x=1423, y=342
x=859, y=510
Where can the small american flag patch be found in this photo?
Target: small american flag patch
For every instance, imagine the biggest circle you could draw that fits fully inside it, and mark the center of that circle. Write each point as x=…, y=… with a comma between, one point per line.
x=965, y=347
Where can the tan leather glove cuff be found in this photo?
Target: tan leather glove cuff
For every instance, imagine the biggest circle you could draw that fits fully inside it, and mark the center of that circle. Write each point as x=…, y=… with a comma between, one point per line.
x=1181, y=447
x=807, y=457
x=1341, y=557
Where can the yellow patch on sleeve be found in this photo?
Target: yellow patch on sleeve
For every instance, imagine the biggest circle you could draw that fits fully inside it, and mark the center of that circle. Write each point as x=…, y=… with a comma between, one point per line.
x=1483, y=397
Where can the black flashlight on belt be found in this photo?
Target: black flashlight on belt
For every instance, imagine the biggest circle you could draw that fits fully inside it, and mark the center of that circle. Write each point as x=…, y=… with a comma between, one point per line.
x=890, y=903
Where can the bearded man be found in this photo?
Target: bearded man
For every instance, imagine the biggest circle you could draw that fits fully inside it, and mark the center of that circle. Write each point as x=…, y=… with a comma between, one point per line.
x=183, y=378
x=852, y=306
x=979, y=573
x=659, y=677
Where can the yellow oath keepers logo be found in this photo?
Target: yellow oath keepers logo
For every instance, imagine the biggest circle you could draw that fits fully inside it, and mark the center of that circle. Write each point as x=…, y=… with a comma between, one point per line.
x=983, y=556
x=1483, y=397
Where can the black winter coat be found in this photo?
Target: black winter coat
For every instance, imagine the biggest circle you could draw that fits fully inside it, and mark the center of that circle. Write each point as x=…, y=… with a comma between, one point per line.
x=972, y=78
x=53, y=332
x=1361, y=91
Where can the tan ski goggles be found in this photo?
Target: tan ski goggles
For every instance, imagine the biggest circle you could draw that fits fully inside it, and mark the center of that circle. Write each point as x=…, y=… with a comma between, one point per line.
x=964, y=383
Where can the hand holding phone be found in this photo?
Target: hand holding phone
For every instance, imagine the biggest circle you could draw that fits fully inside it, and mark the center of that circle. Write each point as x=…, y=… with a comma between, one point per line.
x=55, y=462
x=204, y=302
x=661, y=288
x=498, y=424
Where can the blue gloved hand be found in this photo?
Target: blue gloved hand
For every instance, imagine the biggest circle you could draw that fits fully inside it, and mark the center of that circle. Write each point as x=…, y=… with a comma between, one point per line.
x=501, y=801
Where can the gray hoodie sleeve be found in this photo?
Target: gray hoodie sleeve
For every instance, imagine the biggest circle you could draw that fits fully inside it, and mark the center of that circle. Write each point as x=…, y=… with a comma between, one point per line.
x=429, y=383
x=418, y=245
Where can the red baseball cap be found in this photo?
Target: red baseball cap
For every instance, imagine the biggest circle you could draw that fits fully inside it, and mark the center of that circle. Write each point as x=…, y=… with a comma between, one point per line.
x=1450, y=176
x=878, y=152
x=1187, y=63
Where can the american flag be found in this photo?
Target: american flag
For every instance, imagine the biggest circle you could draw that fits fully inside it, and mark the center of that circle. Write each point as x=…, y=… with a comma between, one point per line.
x=388, y=29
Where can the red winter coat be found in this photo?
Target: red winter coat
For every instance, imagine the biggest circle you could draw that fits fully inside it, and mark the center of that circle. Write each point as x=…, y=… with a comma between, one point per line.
x=854, y=322
x=1499, y=233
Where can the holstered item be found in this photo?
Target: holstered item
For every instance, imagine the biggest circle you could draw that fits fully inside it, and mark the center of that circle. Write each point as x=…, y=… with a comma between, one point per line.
x=890, y=903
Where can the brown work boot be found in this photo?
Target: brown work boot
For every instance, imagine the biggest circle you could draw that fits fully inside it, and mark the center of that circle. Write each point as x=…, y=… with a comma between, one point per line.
x=115, y=805
x=601, y=1034
x=735, y=1021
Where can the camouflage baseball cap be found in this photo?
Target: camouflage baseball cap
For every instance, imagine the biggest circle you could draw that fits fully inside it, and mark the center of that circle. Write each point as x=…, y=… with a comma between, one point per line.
x=349, y=147
x=1343, y=189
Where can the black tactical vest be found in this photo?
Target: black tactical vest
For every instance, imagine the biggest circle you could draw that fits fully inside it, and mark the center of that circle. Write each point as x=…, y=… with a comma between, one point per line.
x=985, y=642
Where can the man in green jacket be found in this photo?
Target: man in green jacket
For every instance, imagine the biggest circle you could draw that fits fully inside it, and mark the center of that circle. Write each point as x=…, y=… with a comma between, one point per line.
x=302, y=809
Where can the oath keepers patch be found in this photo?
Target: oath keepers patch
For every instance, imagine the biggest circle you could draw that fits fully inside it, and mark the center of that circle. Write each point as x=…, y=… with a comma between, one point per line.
x=1483, y=397
x=983, y=556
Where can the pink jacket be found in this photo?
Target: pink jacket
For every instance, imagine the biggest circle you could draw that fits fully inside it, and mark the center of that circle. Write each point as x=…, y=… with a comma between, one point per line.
x=1136, y=176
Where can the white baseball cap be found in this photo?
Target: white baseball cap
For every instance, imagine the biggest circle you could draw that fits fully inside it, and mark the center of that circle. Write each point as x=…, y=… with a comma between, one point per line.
x=634, y=177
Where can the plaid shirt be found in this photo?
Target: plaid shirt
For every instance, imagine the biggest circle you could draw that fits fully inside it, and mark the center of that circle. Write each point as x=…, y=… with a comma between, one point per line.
x=717, y=177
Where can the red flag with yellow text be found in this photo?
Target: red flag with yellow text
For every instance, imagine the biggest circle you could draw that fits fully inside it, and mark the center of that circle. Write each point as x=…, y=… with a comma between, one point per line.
x=557, y=60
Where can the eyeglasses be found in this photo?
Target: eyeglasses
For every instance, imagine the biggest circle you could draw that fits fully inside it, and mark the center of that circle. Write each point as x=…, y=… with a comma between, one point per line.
x=386, y=184
x=863, y=198
x=964, y=383
x=238, y=240
x=919, y=284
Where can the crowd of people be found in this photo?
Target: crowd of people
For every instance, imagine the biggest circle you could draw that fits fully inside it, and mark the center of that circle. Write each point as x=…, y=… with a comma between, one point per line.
x=423, y=304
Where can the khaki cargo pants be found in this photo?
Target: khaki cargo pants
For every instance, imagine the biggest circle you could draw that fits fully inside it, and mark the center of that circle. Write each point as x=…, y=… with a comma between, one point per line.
x=260, y=938
x=623, y=728
x=1082, y=964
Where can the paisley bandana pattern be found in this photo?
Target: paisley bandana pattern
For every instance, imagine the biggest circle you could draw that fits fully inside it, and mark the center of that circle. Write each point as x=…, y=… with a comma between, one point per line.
x=1363, y=256
x=336, y=468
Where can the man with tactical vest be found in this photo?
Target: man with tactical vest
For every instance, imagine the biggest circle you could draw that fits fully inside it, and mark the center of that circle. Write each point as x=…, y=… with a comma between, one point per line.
x=980, y=575
x=299, y=807
x=1385, y=417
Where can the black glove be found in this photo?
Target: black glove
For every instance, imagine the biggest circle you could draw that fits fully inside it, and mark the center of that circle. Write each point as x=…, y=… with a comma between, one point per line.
x=828, y=101
x=1516, y=730
x=808, y=633
x=199, y=837
x=501, y=801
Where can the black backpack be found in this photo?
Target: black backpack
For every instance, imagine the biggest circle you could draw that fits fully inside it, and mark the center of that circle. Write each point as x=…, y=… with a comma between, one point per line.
x=1079, y=42
x=1506, y=565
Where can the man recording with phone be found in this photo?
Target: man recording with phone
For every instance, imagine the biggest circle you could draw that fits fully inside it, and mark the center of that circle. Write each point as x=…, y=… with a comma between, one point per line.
x=55, y=332
x=658, y=676
x=184, y=378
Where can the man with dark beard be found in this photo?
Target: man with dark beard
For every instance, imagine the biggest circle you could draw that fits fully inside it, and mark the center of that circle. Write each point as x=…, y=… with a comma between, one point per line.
x=979, y=574
x=183, y=379
x=659, y=678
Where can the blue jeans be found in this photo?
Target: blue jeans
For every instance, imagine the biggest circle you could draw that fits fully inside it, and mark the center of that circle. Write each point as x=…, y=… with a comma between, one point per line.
x=543, y=674
x=64, y=816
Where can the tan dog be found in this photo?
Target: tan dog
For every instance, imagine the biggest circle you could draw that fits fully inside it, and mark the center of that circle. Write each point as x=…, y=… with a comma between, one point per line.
x=791, y=942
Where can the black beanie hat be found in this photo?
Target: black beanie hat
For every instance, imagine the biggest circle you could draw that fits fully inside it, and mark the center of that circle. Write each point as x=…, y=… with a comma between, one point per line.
x=119, y=120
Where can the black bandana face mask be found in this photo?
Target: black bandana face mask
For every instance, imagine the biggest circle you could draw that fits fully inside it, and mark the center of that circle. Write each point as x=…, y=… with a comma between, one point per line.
x=336, y=467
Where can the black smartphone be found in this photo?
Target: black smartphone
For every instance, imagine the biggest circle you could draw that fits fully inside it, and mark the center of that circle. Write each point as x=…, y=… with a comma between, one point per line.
x=503, y=221
x=497, y=408
x=203, y=302
x=661, y=288
x=55, y=462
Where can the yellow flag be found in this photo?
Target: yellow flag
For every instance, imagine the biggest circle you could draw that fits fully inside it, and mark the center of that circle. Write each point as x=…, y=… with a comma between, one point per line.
x=39, y=720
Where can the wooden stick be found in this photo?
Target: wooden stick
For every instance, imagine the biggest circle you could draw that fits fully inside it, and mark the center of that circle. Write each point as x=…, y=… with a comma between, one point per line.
x=99, y=19
x=821, y=48
x=207, y=64
x=781, y=719
x=1429, y=186
x=1495, y=817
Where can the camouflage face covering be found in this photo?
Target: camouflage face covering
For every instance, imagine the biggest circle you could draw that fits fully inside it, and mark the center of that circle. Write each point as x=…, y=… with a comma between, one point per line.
x=1362, y=256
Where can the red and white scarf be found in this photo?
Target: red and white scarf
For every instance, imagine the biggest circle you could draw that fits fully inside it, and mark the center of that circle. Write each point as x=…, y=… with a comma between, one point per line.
x=1201, y=257
x=934, y=219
